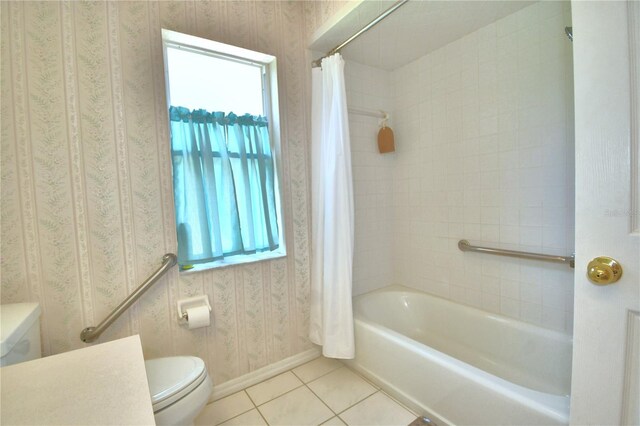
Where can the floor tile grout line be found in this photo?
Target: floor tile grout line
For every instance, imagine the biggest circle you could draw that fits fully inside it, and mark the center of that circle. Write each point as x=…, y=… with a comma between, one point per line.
x=362, y=400
x=303, y=385
x=322, y=400
x=255, y=407
x=262, y=416
x=364, y=377
x=269, y=378
x=335, y=413
x=377, y=389
x=310, y=390
x=273, y=377
x=277, y=396
x=326, y=374
x=249, y=396
x=322, y=375
x=231, y=418
x=240, y=414
x=284, y=372
x=400, y=403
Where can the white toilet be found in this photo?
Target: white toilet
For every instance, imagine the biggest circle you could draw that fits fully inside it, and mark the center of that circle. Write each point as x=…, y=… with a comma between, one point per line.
x=180, y=386
x=19, y=333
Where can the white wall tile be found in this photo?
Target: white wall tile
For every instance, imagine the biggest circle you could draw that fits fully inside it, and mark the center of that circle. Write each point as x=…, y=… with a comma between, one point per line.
x=495, y=109
x=510, y=307
x=482, y=153
x=490, y=302
x=510, y=289
x=531, y=312
x=375, y=189
x=554, y=318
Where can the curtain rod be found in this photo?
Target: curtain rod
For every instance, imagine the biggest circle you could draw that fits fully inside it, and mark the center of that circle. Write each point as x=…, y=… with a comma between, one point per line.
x=367, y=27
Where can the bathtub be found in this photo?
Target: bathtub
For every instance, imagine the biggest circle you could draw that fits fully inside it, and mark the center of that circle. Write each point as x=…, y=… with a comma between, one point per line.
x=460, y=365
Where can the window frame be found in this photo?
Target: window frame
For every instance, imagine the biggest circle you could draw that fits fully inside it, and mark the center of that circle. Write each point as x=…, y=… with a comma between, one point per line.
x=268, y=65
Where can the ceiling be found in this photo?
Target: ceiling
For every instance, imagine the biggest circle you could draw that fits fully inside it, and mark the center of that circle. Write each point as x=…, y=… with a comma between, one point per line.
x=413, y=30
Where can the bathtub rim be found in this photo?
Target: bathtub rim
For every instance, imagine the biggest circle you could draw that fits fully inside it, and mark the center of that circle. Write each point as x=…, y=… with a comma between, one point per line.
x=560, y=335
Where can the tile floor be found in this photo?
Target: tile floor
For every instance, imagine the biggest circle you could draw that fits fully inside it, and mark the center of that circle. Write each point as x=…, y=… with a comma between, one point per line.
x=320, y=392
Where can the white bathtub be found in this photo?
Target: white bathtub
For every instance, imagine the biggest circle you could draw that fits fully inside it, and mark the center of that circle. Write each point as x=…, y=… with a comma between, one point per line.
x=461, y=365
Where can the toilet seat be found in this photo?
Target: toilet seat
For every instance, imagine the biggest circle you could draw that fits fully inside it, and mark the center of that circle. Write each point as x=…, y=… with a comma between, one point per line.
x=171, y=379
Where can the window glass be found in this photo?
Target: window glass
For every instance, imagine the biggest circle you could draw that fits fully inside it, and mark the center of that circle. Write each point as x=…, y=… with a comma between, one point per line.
x=202, y=81
x=225, y=183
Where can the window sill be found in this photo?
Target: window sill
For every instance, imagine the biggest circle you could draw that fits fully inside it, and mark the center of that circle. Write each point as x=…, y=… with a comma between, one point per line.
x=236, y=260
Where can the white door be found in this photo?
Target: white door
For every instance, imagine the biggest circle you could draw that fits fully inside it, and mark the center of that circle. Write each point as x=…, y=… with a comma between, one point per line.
x=607, y=319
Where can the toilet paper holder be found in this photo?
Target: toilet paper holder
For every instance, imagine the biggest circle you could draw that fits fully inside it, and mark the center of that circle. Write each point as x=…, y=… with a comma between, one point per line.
x=191, y=302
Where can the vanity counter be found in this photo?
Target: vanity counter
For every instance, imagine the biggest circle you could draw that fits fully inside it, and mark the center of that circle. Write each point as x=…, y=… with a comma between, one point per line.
x=101, y=384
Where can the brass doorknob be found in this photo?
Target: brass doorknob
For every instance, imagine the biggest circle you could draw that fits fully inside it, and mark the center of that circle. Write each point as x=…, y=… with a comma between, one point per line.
x=604, y=270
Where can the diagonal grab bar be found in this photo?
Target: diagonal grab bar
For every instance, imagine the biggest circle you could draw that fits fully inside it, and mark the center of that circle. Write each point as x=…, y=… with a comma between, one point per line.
x=90, y=334
x=465, y=246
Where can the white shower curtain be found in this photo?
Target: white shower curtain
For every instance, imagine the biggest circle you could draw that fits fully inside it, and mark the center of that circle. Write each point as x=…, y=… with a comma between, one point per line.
x=331, y=317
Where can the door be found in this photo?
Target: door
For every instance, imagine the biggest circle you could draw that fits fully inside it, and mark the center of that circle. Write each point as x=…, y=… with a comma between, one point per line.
x=607, y=318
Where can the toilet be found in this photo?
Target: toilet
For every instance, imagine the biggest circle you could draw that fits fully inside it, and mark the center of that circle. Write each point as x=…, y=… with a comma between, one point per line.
x=180, y=386
x=19, y=333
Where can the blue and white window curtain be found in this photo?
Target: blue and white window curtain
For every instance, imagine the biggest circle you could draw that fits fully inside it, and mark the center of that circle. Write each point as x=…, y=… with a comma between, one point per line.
x=331, y=316
x=224, y=185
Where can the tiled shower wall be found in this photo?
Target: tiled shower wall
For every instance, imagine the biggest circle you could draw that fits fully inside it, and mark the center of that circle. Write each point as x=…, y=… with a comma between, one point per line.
x=485, y=153
x=87, y=209
x=370, y=89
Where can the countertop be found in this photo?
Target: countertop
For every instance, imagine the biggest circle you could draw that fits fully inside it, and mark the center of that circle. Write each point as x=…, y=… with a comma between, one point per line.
x=98, y=385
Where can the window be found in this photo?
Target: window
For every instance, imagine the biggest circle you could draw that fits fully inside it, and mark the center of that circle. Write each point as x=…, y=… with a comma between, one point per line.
x=223, y=122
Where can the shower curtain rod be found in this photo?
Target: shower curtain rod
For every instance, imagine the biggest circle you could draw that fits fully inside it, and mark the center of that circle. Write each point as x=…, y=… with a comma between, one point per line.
x=367, y=27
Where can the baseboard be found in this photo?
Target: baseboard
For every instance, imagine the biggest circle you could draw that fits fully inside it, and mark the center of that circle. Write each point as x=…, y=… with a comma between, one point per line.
x=234, y=385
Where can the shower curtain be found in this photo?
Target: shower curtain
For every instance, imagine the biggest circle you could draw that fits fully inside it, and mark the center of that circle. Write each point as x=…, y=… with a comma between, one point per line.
x=331, y=316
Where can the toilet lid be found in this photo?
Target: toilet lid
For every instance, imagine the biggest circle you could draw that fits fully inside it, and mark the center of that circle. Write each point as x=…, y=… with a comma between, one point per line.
x=172, y=378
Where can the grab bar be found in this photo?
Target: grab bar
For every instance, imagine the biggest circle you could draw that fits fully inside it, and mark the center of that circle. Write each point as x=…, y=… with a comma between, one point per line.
x=90, y=334
x=465, y=246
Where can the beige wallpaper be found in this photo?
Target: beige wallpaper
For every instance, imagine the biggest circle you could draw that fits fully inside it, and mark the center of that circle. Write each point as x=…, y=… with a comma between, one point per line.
x=318, y=12
x=87, y=209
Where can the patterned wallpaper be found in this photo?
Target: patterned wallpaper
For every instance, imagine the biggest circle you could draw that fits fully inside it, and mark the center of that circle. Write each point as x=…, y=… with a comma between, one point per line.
x=87, y=209
x=317, y=13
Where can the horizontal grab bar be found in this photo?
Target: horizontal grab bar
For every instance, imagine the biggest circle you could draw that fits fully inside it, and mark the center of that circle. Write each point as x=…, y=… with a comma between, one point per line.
x=90, y=334
x=465, y=246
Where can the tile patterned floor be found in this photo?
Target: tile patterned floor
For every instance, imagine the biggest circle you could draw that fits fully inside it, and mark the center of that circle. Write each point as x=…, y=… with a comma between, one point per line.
x=320, y=392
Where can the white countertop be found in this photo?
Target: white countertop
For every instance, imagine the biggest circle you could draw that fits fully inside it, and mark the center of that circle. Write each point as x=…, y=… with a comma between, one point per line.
x=101, y=384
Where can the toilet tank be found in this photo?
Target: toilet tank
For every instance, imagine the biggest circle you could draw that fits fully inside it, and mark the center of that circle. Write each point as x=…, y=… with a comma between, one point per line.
x=20, y=333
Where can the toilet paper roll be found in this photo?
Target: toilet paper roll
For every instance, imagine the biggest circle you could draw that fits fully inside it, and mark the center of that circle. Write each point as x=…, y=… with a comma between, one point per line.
x=198, y=317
